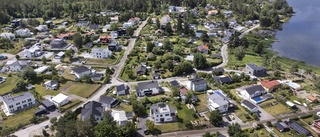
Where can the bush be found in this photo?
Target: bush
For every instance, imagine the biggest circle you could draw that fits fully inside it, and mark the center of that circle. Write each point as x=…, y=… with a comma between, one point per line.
x=306, y=116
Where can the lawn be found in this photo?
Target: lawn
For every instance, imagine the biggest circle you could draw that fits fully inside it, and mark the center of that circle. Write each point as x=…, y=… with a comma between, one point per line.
x=71, y=104
x=260, y=133
x=201, y=105
x=19, y=118
x=308, y=120
x=247, y=59
x=305, y=125
x=83, y=89
x=281, y=134
x=241, y=113
x=106, y=61
x=9, y=84
x=42, y=90
x=125, y=107
x=67, y=74
x=277, y=109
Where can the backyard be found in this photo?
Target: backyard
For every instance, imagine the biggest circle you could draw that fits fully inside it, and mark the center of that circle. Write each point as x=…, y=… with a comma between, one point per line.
x=9, y=84
x=21, y=118
x=83, y=89
x=201, y=105
x=277, y=109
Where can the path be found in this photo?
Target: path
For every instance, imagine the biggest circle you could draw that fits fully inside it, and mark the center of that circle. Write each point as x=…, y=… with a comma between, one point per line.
x=247, y=31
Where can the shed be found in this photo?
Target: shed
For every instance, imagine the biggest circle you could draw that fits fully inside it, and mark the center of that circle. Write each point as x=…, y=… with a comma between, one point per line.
x=41, y=69
x=48, y=105
x=40, y=111
x=60, y=99
x=289, y=103
x=59, y=55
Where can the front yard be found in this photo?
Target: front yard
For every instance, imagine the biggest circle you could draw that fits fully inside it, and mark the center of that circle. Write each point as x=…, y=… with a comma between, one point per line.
x=9, y=84
x=21, y=118
x=202, y=104
x=277, y=109
x=83, y=89
x=71, y=104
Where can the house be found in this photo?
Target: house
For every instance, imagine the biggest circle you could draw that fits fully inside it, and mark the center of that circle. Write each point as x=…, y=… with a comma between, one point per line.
x=23, y=32
x=213, y=12
x=158, y=44
x=59, y=55
x=92, y=109
x=270, y=86
x=299, y=128
x=316, y=124
x=82, y=23
x=194, y=99
x=6, y=35
x=203, y=49
x=94, y=27
x=282, y=127
x=90, y=34
x=217, y=71
x=51, y=84
x=96, y=76
x=114, y=19
x=218, y=101
x=48, y=105
x=127, y=24
x=28, y=86
x=41, y=111
x=197, y=84
x=210, y=25
x=161, y=113
x=120, y=117
x=176, y=9
x=114, y=34
x=228, y=14
x=15, y=23
x=108, y=102
x=252, y=92
x=80, y=71
x=106, y=28
x=249, y=23
x=41, y=69
x=16, y=66
x=34, y=51
x=223, y=79
x=193, y=26
x=251, y=107
x=60, y=99
x=88, y=45
x=198, y=33
x=105, y=39
x=121, y=32
x=183, y=91
x=255, y=70
x=42, y=28
x=148, y=88
x=232, y=23
x=154, y=20
x=164, y=20
x=101, y=53
x=16, y=103
x=58, y=44
x=66, y=36
x=174, y=83
x=311, y=99
x=122, y=90
x=114, y=46
x=155, y=76
x=141, y=70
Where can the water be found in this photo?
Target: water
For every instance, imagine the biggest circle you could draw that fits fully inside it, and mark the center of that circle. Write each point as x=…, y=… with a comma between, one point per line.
x=300, y=37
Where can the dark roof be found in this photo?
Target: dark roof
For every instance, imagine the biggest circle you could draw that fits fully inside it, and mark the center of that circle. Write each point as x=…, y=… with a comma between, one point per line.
x=88, y=45
x=129, y=115
x=107, y=100
x=255, y=67
x=300, y=129
x=194, y=97
x=281, y=125
x=225, y=79
x=253, y=89
x=141, y=68
x=47, y=103
x=218, y=70
x=120, y=87
x=96, y=75
x=248, y=104
x=221, y=135
x=80, y=69
x=40, y=111
x=94, y=26
x=216, y=55
x=198, y=81
x=174, y=83
x=147, y=85
x=92, y=108
x=82, y=23
x=155, y=75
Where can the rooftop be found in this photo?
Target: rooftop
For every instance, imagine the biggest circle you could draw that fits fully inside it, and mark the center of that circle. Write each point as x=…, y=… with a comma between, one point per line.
x=8, y=99
x=269, y=84
x=147, y=85
x=80, y=69
x=248, y=104
x=255, y=67
x=59, y=98
x=92, y=108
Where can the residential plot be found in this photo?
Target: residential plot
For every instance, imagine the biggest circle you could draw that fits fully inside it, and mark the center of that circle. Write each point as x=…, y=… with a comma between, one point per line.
x=83, y=89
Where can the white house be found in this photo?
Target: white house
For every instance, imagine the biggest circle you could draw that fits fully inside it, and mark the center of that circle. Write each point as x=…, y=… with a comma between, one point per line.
x=51, y=84
x=42, y=28
x=34, y=51
x=148, y=88
x=94, y=109
x=23, y=32
x=7, y=35
x=80, y=71
x=218, y=101
x=16, y=103
x=128, y=24
x=197, y=84
x=252, y=92
x=161, y=112
x=101, y=53
x=251, y=107
x=41, y=69
x=16, y=66
x=59, y=55
x=60, y=99
x=120, y=117
x=106, y=28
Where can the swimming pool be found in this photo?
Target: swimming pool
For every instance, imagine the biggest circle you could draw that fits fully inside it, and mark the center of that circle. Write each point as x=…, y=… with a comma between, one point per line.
x=293, y=85
x=258, y=100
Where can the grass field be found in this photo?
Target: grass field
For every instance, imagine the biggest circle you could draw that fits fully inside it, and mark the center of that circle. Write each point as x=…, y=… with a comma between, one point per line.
x=260, y=133
x=281, y=134
x=71, y=104
x=241, y=113
x=201, y=105
x=83, y=89
x=277, y=109
x=67, y=74
x=9, y=84
x=125, y=107
x=19, y=118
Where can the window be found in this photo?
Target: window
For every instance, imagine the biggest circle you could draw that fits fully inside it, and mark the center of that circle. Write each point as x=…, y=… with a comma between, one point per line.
x=11, y=106
x=25, y=105
x=24, y=101
x=167, y=114
x=157, y=115
x=29, y=103
x=160, y=115
x=29, y=100
x=18, y=103
x=19, y=107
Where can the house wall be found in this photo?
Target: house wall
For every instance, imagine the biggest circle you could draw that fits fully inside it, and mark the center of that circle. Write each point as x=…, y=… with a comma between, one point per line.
x=222, y=108
x=200, y=87
x=19, y=104
x=80, y=75
x=255, y=109
x=166, y=117
x=15, y=68
x=122, y=92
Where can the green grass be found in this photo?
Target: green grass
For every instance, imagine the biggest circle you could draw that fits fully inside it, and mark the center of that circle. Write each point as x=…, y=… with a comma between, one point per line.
x=241, y=112
x=305, y=125
x=281, y=134
x=71, y=104
x=125, y=107
x=277, y=109
x=170, y=127
x=83, y=89
x=308, y=120
x=247, y=59
x=102, y=61
x=20, y=118
x=261, y=133
x=42, y=90
x=9, y=84
x=201, y=105
x=67, y=74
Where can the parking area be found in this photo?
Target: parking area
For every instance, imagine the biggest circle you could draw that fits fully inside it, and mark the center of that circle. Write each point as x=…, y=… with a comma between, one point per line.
x=231, y=118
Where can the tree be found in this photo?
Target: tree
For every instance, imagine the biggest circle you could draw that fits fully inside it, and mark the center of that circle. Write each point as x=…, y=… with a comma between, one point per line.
x=177, y=50
x=28, y=73
x=17, y=57
x=44, y=60
x=239, y=52
x=53, y=120
x=199, y=61
x=138, y=108
x=182, y=68
x=157, y=64
x=69, y=53
x=259, y=47
x=168, y=28
x=179, y=25
x=294, y=68
x=87, y=79
x=150, y=46
x=130, y=31
x=129, y=130
x=168, y=65
x=234, y=129
x=215, y=118
x=265, y=22
x=77, y=40
x=158, y=23
x=205, y=38
x=150, y=125
x=107, y=127
x=21, y=84
x=167, y=44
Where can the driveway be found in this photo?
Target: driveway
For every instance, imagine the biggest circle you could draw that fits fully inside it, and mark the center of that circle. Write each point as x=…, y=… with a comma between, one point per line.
x=264, y=115
x=9, y=57
x=141, y=124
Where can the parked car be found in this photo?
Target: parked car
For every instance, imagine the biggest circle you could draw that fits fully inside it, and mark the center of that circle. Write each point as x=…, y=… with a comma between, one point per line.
x=228, y=118
x=231, y=116
x=146, y=132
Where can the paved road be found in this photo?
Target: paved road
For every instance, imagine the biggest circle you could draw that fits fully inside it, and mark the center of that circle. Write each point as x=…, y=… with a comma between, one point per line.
x=224, y=54
x=247, y=31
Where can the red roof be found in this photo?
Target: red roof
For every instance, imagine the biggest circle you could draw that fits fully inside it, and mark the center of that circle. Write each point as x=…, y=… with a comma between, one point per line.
x=269, y=84
x=200, y=48
x=183, y=90
x=311, y=98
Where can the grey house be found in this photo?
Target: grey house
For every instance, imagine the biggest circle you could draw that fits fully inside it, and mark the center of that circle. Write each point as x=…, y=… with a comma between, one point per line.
x=251, y=107
x=148, y=88
x=223, y=79
x=253, y=91
x=255, y=70
x=122, y=90
x=94, y=109
x=58, y=44
x=197, y=84
x=108, y=102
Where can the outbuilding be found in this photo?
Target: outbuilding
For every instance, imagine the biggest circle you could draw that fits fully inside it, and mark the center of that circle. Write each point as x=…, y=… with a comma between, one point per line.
x=60, y=99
